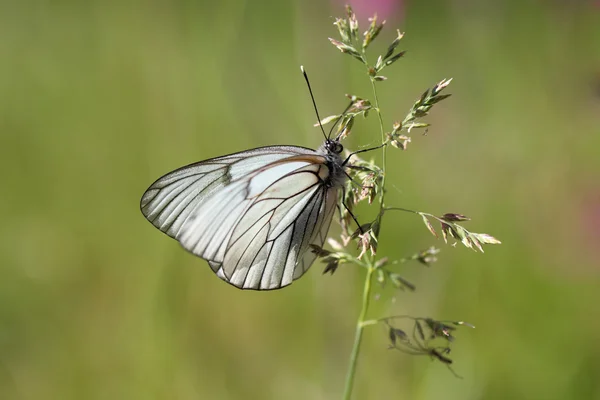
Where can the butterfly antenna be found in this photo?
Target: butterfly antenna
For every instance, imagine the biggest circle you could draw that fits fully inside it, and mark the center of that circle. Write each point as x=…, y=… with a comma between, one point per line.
x=313, y=100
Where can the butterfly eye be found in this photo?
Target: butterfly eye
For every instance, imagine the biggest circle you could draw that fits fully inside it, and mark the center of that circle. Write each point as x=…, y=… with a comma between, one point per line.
x=337, y=148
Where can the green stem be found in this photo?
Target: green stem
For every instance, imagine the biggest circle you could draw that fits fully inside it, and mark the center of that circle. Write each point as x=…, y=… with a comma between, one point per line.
x=366, y=296
x=383, y=149
x=358, y=335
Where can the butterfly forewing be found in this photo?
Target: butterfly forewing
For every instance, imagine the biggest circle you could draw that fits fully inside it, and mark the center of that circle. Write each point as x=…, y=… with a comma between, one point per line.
x=172, y=198
x=251, y=215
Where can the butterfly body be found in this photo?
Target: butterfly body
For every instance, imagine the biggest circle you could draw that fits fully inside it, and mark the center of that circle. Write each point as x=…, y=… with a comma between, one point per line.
x=252, y=215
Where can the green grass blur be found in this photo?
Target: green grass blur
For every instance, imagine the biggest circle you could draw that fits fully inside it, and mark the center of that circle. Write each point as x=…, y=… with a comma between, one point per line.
x=99, y=98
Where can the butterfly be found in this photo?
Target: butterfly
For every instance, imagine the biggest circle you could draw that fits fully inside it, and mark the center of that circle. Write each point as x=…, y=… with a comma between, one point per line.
x=252, y=215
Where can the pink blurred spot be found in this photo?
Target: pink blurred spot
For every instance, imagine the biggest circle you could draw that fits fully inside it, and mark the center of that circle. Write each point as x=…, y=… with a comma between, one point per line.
x=364, y=9
x=589, y=211
x=591, y=216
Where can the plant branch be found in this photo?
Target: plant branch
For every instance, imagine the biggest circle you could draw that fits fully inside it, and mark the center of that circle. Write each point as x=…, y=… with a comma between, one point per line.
x=371, y=267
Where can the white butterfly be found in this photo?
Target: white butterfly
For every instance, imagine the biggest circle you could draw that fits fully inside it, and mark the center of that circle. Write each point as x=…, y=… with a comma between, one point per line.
x=252, y=215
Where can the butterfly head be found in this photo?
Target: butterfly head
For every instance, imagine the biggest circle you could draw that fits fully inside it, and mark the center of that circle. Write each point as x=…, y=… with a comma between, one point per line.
x=333, y=146
x=331, y=150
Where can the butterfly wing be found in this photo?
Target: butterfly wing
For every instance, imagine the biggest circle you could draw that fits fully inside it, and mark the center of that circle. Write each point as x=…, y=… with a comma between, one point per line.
x=169, y=201
x=254, y=227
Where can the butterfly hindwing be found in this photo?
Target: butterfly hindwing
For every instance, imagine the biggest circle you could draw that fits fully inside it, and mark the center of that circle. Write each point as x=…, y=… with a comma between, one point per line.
x=268, y=222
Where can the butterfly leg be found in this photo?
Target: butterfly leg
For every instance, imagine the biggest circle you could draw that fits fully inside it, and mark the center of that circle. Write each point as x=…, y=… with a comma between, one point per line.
x=361, y=151
x=350, y=212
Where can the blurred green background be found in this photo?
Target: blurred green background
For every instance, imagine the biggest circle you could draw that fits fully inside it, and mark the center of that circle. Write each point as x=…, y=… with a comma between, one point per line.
x=99, y=98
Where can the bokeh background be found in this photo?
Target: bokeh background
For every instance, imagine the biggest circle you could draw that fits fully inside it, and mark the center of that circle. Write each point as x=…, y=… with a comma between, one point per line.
x=99, y=98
